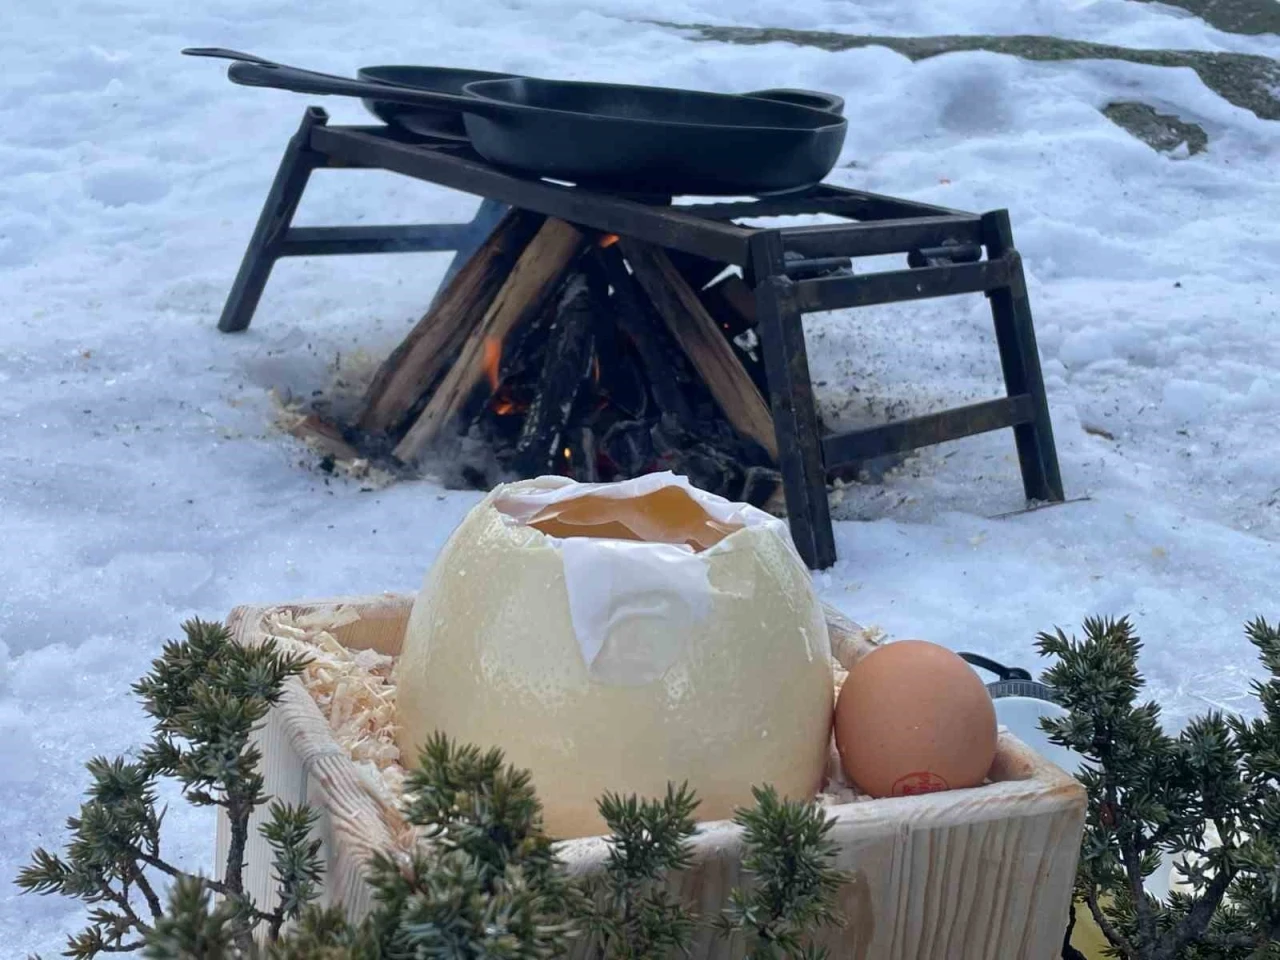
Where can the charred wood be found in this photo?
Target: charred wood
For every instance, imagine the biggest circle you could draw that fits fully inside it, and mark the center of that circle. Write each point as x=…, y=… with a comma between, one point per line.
x=700, y=338
x=566, y=366
x=533, y=278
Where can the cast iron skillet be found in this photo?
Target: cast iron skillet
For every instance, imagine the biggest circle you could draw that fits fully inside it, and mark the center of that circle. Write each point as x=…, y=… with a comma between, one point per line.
x=637, y=139
x=441, y=123
x=804, y=98
x=446, y=122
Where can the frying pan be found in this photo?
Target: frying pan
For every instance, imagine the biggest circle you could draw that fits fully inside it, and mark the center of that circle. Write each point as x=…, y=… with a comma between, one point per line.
x=805, y=98
x=432, y=121
x=447, y=123
x=639, y=139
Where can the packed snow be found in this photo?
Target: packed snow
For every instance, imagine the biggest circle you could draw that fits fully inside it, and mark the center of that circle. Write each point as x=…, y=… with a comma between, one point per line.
x=142, y=482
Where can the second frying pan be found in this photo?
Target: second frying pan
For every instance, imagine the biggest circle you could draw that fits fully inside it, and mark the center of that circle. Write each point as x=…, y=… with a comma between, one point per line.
x=446, y=121
x=613, y=136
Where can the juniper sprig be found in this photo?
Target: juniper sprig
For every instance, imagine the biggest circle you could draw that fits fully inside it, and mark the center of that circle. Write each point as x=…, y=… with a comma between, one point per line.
x=1207, y=798
x=208, y=695
x=790, y=856
x=627, y=910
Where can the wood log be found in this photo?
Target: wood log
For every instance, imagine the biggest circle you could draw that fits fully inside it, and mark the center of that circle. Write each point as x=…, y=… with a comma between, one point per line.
x=733, y=303
x=700, y=338
x=322, y=436
x=565, y=367
x=633, y=319
x=587, y=444
x=532, y=279
x=422, y=356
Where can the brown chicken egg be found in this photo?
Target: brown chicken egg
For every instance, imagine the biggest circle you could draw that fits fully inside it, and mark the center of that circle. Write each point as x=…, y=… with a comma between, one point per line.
x=914, y=718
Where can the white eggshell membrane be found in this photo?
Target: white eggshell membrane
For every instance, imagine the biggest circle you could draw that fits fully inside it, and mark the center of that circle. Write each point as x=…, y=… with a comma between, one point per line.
x=609, y=665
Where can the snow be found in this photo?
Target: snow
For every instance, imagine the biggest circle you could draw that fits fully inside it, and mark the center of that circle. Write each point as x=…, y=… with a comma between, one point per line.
x=141, y=482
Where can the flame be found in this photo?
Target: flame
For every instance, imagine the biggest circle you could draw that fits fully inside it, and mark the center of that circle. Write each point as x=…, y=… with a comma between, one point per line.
x=595, y=370
x=492, y=361
x=504, y=405
x=608, y=240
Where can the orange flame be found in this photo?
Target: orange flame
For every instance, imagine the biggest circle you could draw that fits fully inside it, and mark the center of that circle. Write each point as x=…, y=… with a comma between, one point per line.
x=492, y=360
x=608, y=240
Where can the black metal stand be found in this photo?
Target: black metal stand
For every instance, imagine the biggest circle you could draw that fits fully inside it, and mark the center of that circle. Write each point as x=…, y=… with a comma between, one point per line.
x=275, y=237
x=944, y=255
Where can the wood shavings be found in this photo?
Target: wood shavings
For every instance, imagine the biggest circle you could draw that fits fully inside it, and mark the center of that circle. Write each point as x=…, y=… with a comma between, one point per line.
x=325, y=439
x=356, y=693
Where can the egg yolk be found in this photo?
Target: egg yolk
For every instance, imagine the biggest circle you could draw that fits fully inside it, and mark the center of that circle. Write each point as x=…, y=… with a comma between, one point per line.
x=667, y=515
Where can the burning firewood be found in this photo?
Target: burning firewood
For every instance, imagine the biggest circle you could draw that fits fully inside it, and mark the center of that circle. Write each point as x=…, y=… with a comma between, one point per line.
x=703, y=343
x=567, y=364
x=732, y=304
x=632, y=317
x=423, y=355
x=536, y=359
x=531, y=281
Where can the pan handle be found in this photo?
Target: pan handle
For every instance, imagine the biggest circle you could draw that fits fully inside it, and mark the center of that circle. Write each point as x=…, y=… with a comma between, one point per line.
x=222, y=53
x=266, y=73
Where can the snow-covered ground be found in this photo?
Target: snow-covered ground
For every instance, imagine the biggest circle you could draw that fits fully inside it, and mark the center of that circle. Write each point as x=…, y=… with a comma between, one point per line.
x=141, y=483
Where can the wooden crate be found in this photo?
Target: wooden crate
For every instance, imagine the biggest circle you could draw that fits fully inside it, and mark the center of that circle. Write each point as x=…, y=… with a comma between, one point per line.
x=967, y=874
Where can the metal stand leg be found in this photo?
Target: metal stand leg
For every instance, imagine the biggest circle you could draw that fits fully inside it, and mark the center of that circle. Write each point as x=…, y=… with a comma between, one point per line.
x=795, y=417
x=1020, y=360
x=277, y=213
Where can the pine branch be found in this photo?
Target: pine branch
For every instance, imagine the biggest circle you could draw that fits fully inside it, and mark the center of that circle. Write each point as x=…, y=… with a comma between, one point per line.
x=193, y=929
x=488, y=884
x=788, y=852
x=148, y=892
x=1151, y=795
x=1114, y=936
x=296, y=862
x=207, y=696
x=627, y=910
x=122, y=903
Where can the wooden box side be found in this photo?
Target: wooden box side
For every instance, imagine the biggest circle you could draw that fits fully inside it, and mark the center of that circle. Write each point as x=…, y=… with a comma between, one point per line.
x=301, y=763
x=968, y=873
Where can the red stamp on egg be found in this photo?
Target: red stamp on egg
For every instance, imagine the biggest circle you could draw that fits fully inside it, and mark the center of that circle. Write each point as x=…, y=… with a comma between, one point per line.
x=914, y=784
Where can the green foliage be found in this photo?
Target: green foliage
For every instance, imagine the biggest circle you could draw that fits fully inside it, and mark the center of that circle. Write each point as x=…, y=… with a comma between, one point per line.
x=627, y=910
x=207, y=695
x=192, y=927
x=324, y=935
x=790, y=855
x=470, y=801
x=1152, y=795
x=295, y=860
x=485, y=883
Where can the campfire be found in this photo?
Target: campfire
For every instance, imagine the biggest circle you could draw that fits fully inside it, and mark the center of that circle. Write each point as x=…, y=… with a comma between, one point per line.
x=556, y=350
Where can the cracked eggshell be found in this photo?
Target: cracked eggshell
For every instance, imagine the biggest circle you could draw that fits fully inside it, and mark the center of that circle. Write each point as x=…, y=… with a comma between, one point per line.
x=719, y=676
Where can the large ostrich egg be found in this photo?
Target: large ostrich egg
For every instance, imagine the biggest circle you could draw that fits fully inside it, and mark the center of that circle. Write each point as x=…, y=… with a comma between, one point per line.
x=621, y=656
